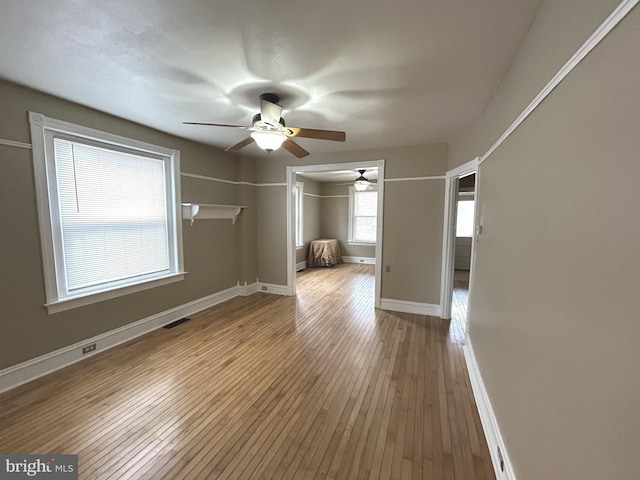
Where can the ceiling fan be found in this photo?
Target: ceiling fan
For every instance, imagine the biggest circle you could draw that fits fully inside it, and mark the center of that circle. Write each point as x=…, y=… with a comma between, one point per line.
x=269, y=131
x=361, y=183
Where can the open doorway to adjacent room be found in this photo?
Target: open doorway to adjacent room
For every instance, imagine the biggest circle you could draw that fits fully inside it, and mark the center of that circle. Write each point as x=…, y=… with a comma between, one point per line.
x=465, y=210
x=458, y=245
x=335, y=220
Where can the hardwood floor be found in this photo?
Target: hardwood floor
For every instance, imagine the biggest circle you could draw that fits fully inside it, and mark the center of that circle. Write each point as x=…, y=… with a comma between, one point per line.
x=459, y=305
x=318, y=386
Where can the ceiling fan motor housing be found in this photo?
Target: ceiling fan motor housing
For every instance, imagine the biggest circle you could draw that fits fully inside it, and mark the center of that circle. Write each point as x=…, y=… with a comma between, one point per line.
x=270, y=97
x=362, y=177
x=258, y=123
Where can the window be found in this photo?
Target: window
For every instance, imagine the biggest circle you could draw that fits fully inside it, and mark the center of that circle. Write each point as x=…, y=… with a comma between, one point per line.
x=464, y=226
x=363, y=216
x=109, y=213
x=298, y=206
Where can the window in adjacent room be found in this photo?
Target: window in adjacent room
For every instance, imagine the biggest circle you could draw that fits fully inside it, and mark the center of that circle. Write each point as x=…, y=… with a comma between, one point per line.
x=109, y=213
x=363, y=216
x=464, y=226
x=298, y=206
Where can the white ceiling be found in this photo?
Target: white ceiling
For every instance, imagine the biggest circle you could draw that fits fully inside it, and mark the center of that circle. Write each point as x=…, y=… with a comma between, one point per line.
x=389, y=73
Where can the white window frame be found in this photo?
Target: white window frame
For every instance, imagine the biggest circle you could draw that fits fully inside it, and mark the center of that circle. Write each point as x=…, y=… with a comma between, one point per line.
x=352, y=198
x=299, y=214
x=43, y=131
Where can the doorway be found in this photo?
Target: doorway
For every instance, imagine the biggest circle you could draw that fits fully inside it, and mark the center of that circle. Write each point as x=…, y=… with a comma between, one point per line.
x=461, y=192
x=293, y=193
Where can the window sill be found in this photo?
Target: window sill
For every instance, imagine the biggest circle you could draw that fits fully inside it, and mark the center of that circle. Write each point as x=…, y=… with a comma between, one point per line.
x=363, y=244
x=88, y=299
x=298, y=247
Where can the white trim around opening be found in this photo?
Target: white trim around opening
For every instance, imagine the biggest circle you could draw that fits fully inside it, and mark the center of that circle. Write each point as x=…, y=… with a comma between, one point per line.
x=291, y=250
x=449, y=232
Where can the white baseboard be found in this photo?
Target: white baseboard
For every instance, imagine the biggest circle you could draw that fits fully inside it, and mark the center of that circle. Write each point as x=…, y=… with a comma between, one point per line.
x=301, y=265
x=24, y=372
x=272, y=288
x=488, y=418
x=410, y=307
x=246, y=290
x=365, y=260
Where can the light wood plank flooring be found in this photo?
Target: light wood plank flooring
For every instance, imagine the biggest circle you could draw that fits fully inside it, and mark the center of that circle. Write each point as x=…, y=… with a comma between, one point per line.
x=318, y=386
x=459, y=305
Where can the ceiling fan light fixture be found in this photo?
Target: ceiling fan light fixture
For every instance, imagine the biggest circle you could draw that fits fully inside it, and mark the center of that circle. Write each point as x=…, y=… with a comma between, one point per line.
x=269, y=140
x=361, y=183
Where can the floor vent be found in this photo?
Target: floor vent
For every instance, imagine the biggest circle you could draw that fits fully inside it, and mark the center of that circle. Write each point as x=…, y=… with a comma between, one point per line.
x=176, y=323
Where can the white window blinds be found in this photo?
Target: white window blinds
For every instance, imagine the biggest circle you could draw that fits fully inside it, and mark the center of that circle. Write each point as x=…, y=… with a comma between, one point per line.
x=112, y=216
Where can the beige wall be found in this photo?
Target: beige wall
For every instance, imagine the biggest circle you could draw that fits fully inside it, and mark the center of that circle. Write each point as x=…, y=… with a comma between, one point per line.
x=412, y=248
x=334, y=220
x=415, y=262
x=555, y=305
x=327, y=216
x=246, y=234
x=271, y=211
x=217, y=254
x=310, y=216
x=559, y=29
x=211, y=248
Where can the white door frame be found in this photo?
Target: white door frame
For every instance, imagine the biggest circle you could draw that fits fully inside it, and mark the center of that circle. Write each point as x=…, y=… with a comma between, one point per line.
x=449, y=231
x=291, y=241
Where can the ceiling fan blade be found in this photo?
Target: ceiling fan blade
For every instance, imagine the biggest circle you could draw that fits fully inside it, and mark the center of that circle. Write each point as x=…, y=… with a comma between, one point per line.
x=351, y=183
x=319, y=134
x=216, y=125
x=247, y=141
x=270, y=111
x=293, y=147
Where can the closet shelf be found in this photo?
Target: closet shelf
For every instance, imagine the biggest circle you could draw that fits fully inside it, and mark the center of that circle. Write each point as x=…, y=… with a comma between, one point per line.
x=204, y=211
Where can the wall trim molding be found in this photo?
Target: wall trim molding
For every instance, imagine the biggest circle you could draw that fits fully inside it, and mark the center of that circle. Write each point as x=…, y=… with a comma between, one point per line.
x=363, y=260
x=405, y=306
x=448, y=230
x=463, y=170
x=247, y=289
x=272, y=288
x=411, y=179
x=34, y=368
x=263, y=184
x=301, y=265
x=205, y=177
x=12, y=143
x=621, y=11
x=232, y=182
x=291, y=172
x=487, y=417
x=325, y=196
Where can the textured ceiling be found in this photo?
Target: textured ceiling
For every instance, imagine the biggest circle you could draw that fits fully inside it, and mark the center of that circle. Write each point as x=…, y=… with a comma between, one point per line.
x=389, y=73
